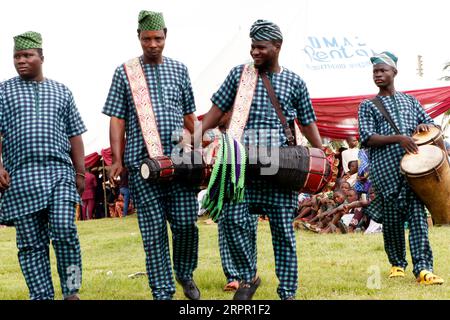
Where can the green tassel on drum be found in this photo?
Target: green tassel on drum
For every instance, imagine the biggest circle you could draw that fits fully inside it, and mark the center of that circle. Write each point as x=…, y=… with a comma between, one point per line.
x=223, y=184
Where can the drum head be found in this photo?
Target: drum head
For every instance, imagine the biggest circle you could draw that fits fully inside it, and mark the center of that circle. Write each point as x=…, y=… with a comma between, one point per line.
x=145, y=171
x=426, y=137
x=428, y=158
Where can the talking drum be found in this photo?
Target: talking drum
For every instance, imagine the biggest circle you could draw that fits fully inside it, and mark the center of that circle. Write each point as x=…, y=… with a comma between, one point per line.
x=298, y=168
x=189, y=167
x=434, y=136
x=428, y=174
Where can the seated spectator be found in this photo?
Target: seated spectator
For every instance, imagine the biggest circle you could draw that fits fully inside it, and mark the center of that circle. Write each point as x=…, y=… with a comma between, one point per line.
x=323, y=218
x=345, y=187
x=360, y=220
x=307, y=207
x=351, y=175
x=118, y=209
x=338, y=155
x=338, y=183
x=337, y=224
x=363, y=184
x=351, y=153
x=311, y=207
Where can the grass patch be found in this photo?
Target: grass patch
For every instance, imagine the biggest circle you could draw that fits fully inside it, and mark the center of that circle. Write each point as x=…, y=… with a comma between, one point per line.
x=331, y=266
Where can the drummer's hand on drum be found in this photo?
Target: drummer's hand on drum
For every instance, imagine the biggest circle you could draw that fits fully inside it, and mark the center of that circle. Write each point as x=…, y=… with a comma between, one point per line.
x=423, y=127
x=115, y=170
x=4, y=179
x=408, y=144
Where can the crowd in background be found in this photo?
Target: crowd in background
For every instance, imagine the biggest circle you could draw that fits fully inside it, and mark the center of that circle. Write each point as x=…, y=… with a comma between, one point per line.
x=104, y=197
x=341, y=208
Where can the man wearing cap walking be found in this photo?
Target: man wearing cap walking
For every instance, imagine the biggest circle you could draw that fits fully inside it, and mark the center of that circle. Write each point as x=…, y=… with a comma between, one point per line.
x=262, y=127
x=42, y=173
x=395, y=202
x=150, y=100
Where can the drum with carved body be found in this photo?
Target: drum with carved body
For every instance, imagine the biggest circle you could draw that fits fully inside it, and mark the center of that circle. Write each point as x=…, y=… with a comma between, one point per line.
x=428, y=174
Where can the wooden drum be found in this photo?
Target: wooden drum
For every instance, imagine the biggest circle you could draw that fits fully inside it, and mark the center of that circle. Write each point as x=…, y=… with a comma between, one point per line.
x=434, y=137
x=428, y=174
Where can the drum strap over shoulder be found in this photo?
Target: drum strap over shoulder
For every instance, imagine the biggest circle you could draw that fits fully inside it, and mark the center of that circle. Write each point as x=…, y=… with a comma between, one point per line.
x=385, y=114
x=243, y=101
x=277, y=107
x=144, y=109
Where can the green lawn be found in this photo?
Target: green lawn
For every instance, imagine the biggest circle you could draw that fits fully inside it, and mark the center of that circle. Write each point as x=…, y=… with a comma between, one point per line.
x=331, y=266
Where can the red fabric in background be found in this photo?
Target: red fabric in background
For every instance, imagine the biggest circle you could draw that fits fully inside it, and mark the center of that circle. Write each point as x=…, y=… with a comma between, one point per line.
x=107, y=156
x=91, y=159
x=337, y=117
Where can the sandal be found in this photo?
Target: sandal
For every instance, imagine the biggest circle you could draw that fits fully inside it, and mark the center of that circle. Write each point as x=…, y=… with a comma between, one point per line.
x=231, y=286
x=428, y=278
x=397, y=272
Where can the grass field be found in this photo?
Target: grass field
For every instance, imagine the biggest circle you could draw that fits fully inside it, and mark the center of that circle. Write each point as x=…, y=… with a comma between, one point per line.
x=331, y=266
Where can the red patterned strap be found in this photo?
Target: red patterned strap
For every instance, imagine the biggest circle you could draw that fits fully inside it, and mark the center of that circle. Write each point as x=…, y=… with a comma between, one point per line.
x=144, y=109
x=243, y=101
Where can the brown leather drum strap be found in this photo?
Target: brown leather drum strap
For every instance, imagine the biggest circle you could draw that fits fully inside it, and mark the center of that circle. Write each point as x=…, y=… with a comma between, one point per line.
x=276, y=105
x=385, y=114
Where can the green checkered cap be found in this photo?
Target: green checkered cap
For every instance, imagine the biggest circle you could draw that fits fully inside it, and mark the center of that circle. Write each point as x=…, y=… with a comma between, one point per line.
x=28, y=40
x=152, y=21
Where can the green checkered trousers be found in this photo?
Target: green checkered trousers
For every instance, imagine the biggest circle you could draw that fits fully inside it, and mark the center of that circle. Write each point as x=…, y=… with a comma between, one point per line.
x=34, y=232
x=395, y=215
x=237, y=225
x=248, y=227
x=180, y=209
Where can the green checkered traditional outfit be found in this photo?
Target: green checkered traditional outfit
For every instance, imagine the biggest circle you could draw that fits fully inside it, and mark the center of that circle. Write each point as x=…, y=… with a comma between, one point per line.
x=238, y=221
x=395, y=202
x=172, y=98
x=36, y=121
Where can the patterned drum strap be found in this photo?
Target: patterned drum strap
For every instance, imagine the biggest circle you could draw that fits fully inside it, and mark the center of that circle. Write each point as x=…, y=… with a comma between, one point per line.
x=298, y=134
x=243, y=101
x=144, y=109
